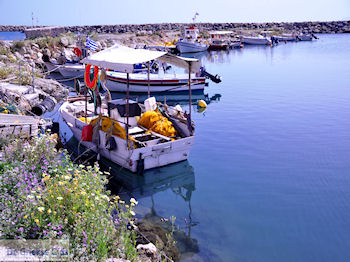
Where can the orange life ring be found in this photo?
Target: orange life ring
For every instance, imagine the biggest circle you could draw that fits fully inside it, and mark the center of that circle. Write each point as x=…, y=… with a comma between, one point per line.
x=77, y=51
x=88, y=83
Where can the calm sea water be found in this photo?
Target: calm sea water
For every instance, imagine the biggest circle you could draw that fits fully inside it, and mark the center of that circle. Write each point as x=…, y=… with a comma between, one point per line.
x=269, y=176
x=12, y=36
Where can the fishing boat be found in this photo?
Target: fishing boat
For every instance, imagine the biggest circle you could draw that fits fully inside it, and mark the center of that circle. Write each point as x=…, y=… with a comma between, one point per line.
x=139, y=82
x=255, y=40
x=123, y=130
x=191, y=42
x=218, y=40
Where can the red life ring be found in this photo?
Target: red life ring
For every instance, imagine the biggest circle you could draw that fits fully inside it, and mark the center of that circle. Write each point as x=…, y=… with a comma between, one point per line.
x=90, y=84
x=77, y=51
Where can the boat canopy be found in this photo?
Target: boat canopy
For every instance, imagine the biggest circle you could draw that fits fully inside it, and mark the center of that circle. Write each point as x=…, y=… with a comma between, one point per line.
x=122, y=58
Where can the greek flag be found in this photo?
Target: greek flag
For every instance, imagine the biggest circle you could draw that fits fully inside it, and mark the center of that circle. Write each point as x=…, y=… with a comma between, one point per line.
x=91, y=44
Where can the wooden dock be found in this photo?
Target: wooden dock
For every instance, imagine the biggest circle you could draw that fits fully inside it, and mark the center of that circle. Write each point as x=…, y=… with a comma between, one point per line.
x=18, y=125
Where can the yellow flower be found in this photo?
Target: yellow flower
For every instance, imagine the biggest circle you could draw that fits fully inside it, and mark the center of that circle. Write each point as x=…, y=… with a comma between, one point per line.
x=44, y=174
x=36, y=221
x=121, y=201
x=55, y=212
x=49, y=211
x=133, y=201
x=41, y=209
x=46, y=178
x=127, y=206
x=25, y=217
x=83, y=192
x=116, y=197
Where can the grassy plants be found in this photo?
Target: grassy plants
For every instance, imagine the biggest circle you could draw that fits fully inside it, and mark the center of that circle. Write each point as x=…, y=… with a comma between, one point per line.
x=43, y=195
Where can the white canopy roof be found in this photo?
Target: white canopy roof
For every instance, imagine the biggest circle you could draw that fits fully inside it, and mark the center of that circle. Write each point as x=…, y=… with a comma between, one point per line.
x=123, y=58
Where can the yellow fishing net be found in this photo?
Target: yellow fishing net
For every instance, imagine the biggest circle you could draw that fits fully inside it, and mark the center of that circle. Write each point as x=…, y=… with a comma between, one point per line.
x=153, y=120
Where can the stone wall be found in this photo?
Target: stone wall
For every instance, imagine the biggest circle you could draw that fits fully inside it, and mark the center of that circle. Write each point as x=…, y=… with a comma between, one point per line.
x=314, y=27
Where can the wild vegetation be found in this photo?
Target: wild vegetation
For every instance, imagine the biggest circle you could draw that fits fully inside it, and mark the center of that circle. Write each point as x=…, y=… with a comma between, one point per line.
x=43, y=195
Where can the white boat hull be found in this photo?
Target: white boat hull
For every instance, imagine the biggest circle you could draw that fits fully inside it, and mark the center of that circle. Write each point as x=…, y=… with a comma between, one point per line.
x=138, y=83
x=255, y=41
x=305, y=37
x=72, y=71
x=191, y=47
x=153, y=156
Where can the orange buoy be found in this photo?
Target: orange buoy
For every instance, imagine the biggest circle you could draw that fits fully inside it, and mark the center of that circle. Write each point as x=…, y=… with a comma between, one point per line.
x=88, y=83
x=77, y=51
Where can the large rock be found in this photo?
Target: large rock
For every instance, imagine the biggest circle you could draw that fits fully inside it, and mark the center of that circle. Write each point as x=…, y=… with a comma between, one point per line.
x=64, y=41
x=51, y=87
x=149, y=250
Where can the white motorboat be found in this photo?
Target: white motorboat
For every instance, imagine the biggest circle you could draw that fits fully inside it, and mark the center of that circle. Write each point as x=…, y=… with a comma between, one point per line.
x=286, y=37
x=255, y=40
x=120, y=134
x=191, y=42
x=72, y=70
x=167, y=82
x=67, y=70
x=305, y=37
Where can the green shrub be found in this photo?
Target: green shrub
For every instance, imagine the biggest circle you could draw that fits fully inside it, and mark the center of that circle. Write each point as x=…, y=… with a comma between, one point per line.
x=17, y=45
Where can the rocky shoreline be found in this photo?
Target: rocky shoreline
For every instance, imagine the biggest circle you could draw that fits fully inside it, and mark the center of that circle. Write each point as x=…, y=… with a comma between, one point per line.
x=309, y=27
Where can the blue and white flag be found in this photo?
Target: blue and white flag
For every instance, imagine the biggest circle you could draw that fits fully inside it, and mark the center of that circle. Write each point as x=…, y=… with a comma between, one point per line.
x=91, y=44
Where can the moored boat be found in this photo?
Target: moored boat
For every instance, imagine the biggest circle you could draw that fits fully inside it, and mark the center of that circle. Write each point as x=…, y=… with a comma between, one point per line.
x=135, y=136
x=255, y=40
x=191, y=42
x=138, y=83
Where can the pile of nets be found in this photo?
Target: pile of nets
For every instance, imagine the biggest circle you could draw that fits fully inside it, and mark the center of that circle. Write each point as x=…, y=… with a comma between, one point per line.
x=6, y=108
x=153, y=120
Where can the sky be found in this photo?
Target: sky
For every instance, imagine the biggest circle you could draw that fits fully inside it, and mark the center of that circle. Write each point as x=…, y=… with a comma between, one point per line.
x=98, y=12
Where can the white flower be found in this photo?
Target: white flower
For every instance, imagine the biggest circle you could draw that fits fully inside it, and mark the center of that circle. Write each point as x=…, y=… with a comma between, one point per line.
x=41, y=209
x=59, y=198
x=132, y=213
x=30, y=197
x=133, y=201
x=67, y=177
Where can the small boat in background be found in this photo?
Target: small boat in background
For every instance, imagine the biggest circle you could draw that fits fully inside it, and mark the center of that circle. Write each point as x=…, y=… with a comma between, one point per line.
x=286, y=37
x=236, y=44
x=305, y=37
x=191, y=42
x=255, y=40
x=218, y=40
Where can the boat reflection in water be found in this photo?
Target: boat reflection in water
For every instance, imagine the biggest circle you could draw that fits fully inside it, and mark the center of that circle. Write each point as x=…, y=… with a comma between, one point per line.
x=177, y=177
x=171, y=98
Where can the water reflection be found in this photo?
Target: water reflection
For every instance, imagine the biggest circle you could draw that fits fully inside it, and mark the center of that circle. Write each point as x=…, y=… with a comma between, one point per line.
x=172, y=98
x=177, y=178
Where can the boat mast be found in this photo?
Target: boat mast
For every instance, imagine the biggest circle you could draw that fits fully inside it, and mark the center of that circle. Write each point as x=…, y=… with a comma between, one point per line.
x=127, y=110
x=149, y=89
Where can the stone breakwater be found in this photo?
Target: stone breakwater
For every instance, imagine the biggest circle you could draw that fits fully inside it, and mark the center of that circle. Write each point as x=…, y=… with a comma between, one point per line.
x=310, y=27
